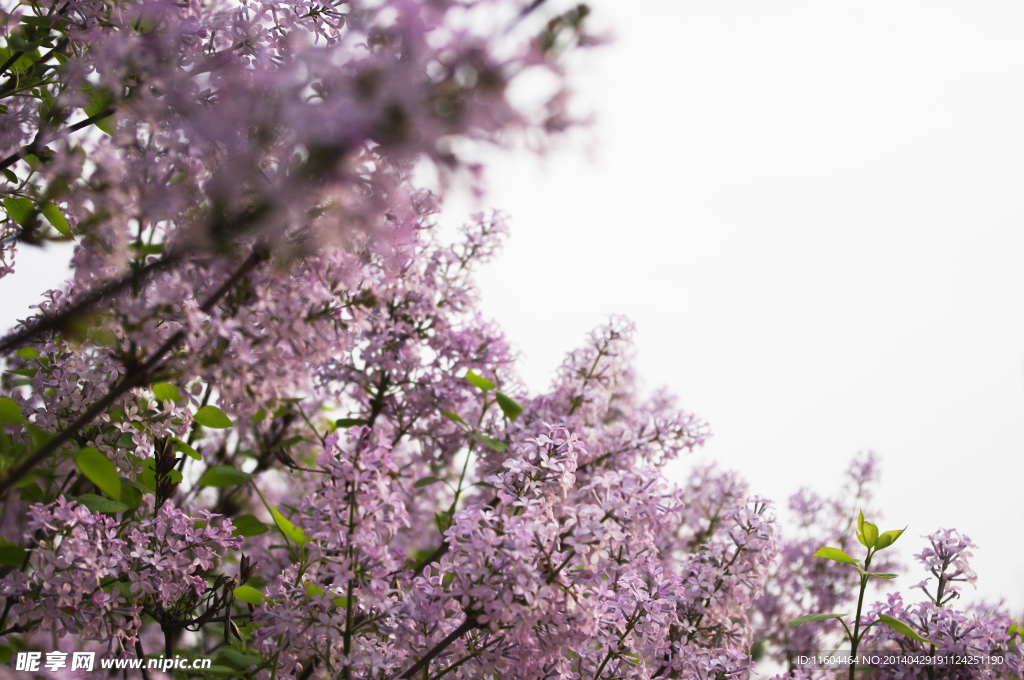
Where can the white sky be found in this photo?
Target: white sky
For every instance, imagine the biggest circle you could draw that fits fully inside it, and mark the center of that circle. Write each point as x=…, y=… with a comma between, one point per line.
x=813, y=212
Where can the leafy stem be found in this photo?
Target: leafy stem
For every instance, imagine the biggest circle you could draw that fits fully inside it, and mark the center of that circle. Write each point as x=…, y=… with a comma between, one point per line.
x=870, y=538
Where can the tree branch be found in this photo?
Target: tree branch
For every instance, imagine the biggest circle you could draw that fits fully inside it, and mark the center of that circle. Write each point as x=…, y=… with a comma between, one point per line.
x=131, y=380
x=467, y=625
x=59, y=320
x=38, y=68
x=40, y=141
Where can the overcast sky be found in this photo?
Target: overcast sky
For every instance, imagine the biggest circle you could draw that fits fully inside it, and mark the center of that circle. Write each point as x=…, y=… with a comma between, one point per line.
x=813, y=213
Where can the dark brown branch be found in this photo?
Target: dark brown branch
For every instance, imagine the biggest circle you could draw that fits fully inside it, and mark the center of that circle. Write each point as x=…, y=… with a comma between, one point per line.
x=38, y=68
x=16, y=55
x=40, y=141
x=135, y=378
x=141, y=655
x=469, y=624
x=83, y=303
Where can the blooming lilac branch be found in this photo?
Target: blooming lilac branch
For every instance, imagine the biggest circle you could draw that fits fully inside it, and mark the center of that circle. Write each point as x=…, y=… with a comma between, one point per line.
x=84, y=302
x=469, y=624
x=136, y=378
x=39, y=142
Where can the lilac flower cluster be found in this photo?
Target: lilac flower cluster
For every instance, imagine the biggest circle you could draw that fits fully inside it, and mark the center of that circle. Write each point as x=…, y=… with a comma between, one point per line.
x=232, y=119
x=946, y=560
x=83, y=577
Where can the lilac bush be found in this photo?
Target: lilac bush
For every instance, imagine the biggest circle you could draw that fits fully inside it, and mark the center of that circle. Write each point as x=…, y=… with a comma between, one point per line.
x=265, y=421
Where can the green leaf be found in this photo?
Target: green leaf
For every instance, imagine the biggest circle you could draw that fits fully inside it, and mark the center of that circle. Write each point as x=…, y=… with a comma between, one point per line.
x=836, y=555
x=902, y=628
x=29, y=480
x=12, y=555
x=10, y=412
x=812, y=618
x=100, y=101
x=147, y=477
x=426, y=481
x=480, y=381
x=32, y=493
x=351, y=422
x=25, y=61
x=166, y=392
x=883, y=576
x=888, y=538
x=224, y=475
x=56, y=219
x=287, y=528
x=248, y=594
x=20, y=209
x=38, y=435
x=41, y=22
x=182, y=447
x=100, y=504
x=130, y=496
x=100, y=471
x=509, y=407
x=212, y=417
x=28, y=353
x=443, y=520
x=490, y=442
x=870, y=533
x=450, y=415
x=135, y=484
x=145, y=249
x=11, y=177
x=248, y=525
x=236, y=658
